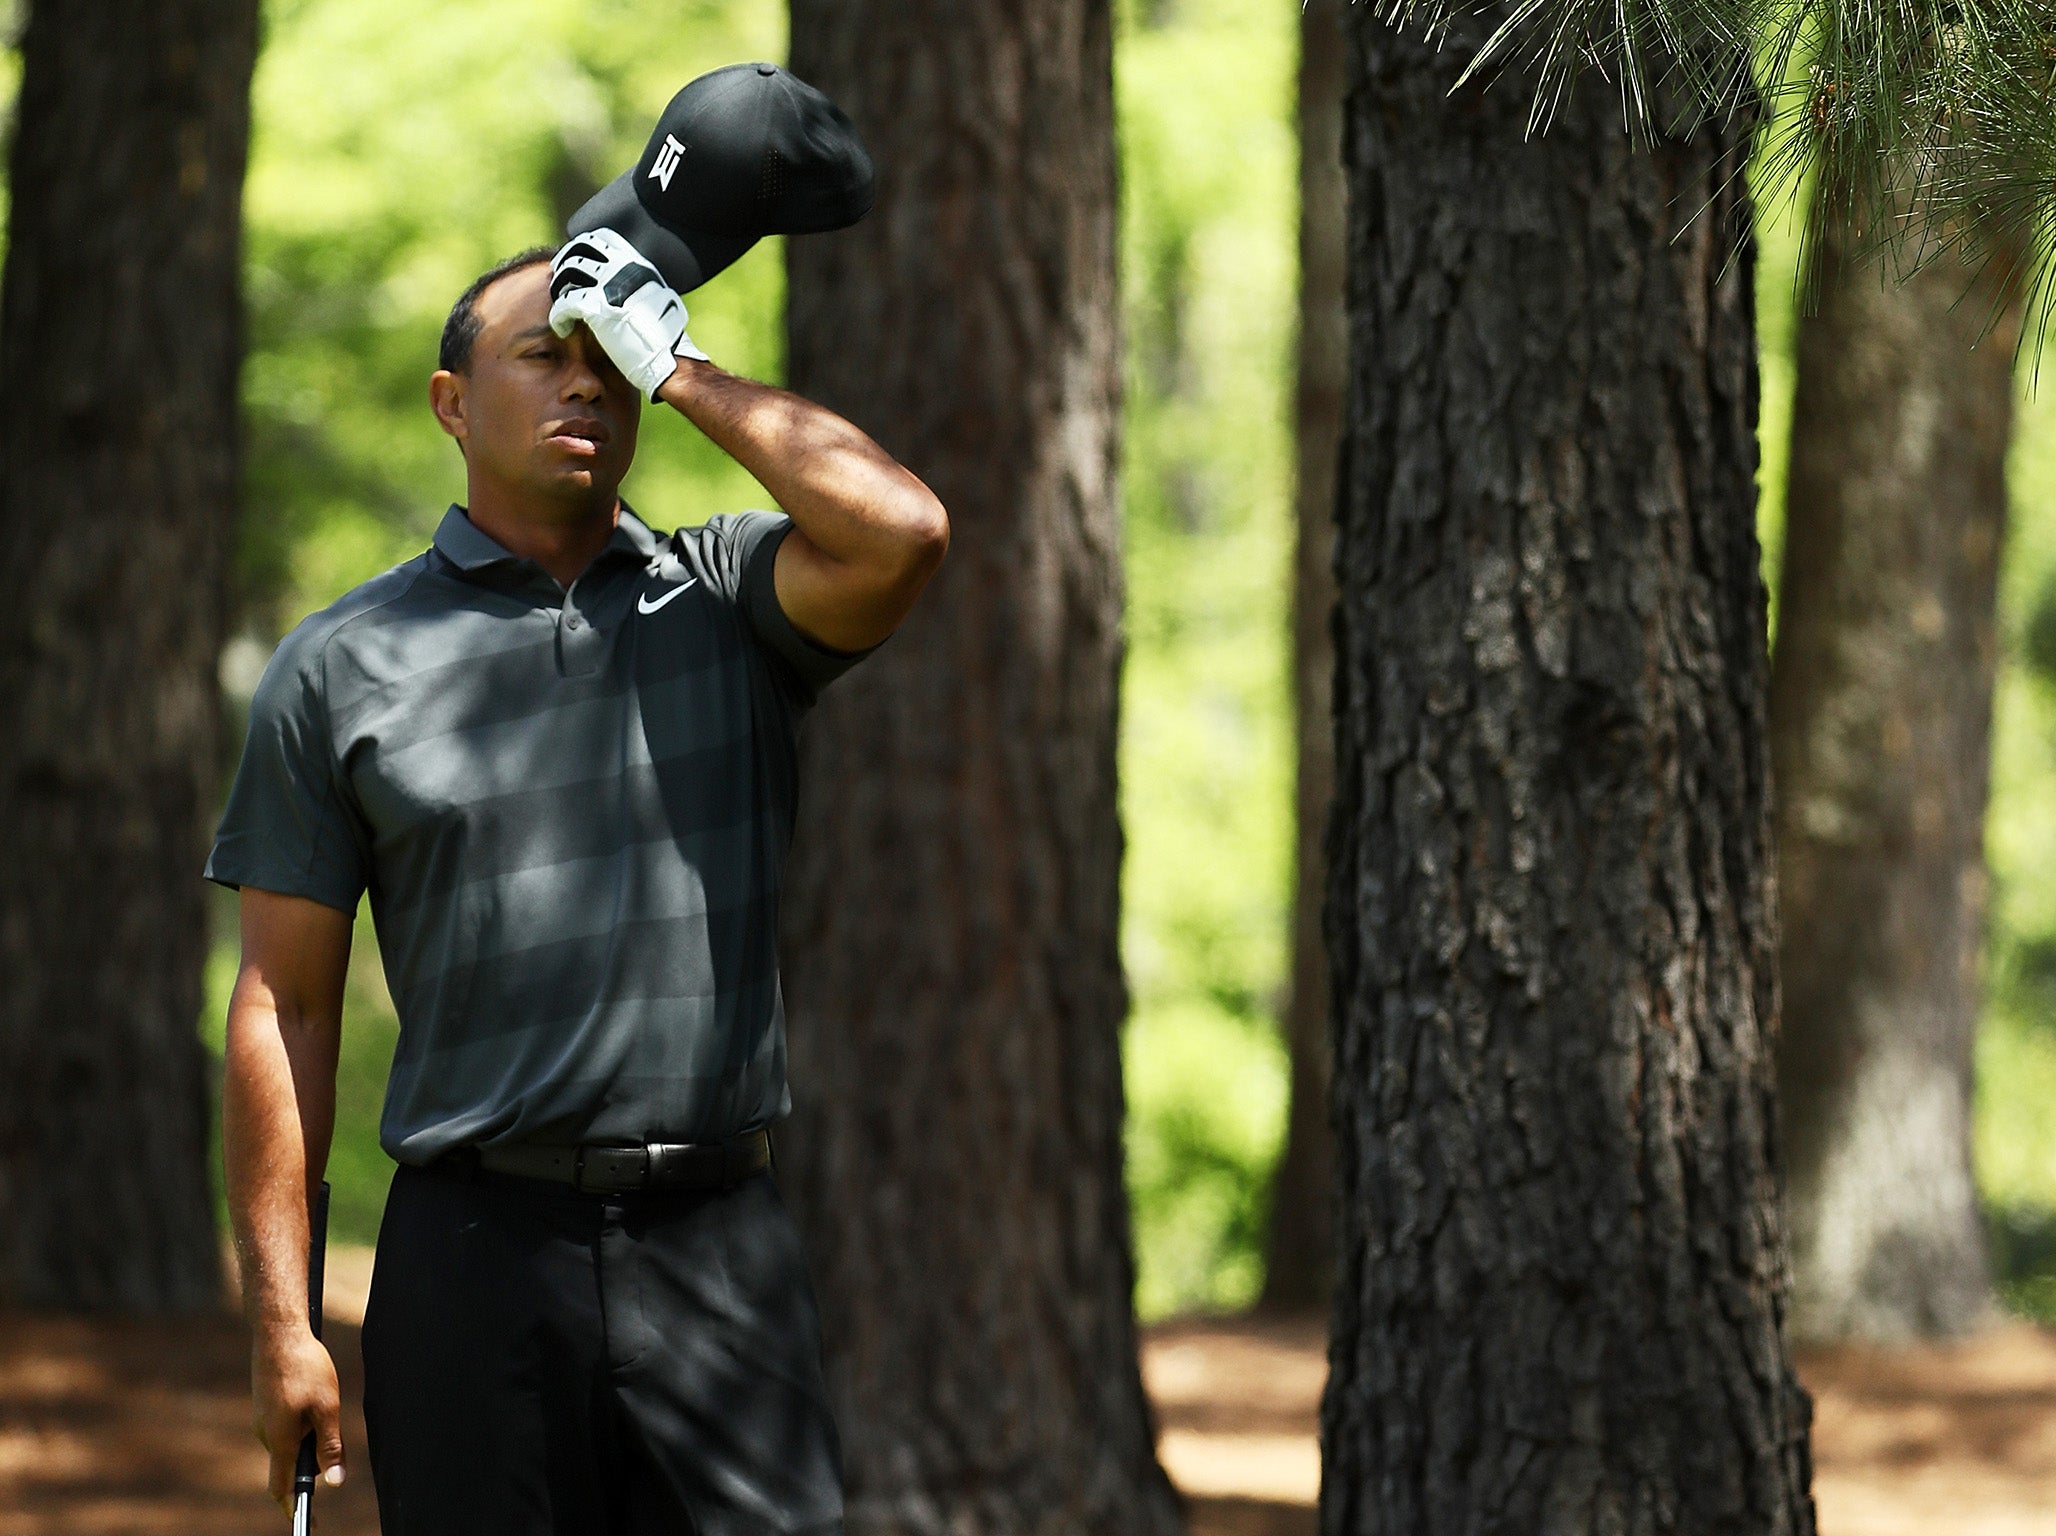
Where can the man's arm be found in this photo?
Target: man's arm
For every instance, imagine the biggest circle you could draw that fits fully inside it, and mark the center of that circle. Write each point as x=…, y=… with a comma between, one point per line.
x=278, y=1102
x=868, y=533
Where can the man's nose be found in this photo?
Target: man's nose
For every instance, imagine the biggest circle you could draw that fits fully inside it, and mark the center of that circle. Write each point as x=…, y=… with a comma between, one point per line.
x=582, y=379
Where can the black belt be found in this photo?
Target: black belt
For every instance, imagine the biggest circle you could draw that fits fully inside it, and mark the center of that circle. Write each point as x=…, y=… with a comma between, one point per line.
x=612, y=1170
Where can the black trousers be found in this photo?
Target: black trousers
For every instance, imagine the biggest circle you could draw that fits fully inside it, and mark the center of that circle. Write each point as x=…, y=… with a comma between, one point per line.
x=540, y=1362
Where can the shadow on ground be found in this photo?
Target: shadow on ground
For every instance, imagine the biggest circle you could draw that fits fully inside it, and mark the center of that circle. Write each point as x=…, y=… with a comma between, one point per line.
x=136, y=1428
x=140, y=1427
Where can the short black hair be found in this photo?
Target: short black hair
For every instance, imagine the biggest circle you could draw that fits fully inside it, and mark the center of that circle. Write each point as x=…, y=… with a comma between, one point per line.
x=460, y=331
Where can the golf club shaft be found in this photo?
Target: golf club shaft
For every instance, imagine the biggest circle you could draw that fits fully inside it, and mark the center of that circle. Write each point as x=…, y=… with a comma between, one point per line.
x=308, y=1468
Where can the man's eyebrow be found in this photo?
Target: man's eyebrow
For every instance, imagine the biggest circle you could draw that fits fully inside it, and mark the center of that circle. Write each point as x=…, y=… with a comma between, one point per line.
x=532, y=332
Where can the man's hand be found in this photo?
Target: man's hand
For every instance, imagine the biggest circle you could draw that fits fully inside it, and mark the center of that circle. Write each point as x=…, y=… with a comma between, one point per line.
x=602, y=281
x=293, y=1385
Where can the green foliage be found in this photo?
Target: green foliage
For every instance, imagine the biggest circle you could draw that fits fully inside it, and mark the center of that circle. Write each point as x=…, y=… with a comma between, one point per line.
x=1208, y=256
x=2015, y=1146
x=2038, y=634
x=1778, y=297
x=1928, y=125
x=2024, y=1259
x=1929, y=121
x=1206, y=1098
x=2015, y=1132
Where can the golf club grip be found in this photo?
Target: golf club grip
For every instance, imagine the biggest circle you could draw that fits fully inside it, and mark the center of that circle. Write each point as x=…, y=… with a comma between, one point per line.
x=307, y=1467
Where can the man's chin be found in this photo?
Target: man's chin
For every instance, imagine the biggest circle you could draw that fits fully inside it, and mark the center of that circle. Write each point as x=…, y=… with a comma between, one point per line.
x=581, y=483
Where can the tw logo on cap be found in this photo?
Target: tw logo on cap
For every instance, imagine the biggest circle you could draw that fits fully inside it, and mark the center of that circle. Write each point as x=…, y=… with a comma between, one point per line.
x=666, y=161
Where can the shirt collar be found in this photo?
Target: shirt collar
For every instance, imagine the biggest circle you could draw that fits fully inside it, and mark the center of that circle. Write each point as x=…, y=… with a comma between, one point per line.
x=634, y=536
x=466, y=545
x=470, y=548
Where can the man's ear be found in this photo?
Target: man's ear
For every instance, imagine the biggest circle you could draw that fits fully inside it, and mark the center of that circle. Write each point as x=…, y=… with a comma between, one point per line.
x=446, y=399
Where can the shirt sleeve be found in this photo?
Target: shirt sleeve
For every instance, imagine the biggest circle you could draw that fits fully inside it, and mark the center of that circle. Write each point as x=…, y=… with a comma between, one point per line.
x=743, y=547
x=288, y=827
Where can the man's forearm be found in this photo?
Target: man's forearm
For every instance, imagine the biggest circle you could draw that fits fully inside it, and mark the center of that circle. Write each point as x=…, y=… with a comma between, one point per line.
x=854, y=501
x=277, y=1115
x=278, y=1103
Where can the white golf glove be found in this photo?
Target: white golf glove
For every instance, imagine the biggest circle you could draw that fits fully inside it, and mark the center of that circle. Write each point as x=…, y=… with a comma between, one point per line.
x=602, y=280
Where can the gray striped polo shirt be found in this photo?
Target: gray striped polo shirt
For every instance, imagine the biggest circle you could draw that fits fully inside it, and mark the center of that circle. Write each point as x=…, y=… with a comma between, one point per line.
x=570, y=808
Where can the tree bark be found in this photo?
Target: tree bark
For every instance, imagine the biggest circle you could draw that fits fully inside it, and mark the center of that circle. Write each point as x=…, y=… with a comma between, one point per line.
x=1301, y=1257
x=120, y=345
x=1561, y=1267
x=950, y=923
x=1881, y=714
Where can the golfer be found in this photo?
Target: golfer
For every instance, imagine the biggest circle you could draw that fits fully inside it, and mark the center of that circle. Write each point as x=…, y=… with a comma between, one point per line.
x=558, y=750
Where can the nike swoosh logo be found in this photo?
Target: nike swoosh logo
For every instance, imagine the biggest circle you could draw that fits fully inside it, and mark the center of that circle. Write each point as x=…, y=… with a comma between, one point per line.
x=644, y=605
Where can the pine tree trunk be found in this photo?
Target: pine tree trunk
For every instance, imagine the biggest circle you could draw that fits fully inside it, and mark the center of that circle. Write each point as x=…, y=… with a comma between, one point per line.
x=1301, y=1256
x=120, y=344
x=951, y=910
x=1561, y=1269
x=1881, y=713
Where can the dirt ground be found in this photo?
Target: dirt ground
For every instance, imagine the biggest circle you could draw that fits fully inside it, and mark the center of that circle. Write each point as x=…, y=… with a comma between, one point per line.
x=137, y=1428
x=1933, y=1441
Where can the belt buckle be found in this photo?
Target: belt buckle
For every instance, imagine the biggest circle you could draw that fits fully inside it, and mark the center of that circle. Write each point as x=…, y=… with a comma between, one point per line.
x=616, y=1165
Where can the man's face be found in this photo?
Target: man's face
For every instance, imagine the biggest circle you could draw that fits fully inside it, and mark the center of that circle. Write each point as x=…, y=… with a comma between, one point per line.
x=539, y=413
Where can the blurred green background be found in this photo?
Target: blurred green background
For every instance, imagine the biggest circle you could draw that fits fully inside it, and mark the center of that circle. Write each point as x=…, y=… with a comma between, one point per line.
x=400, y=149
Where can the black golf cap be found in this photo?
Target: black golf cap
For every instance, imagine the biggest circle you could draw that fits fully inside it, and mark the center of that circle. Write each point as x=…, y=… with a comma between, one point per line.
x=744, y=151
